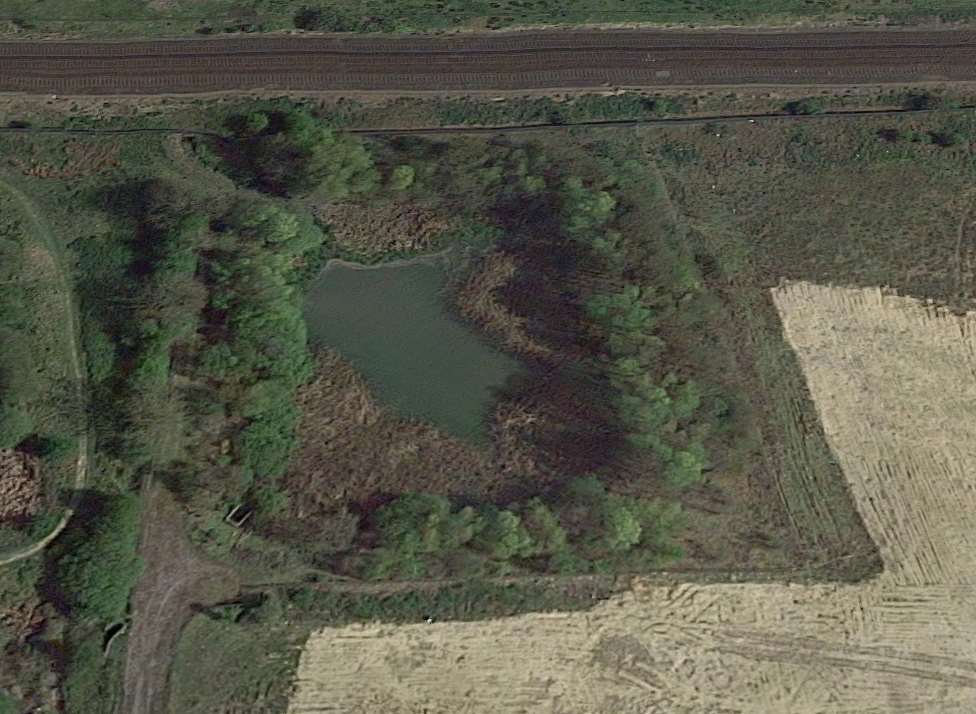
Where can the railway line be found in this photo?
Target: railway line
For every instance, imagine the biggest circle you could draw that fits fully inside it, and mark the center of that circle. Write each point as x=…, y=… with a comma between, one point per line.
x=488, y=62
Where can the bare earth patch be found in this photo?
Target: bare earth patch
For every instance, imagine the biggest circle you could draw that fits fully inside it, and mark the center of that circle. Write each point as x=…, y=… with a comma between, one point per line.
x=175, y=580
x=20, y=485
x=893, y=381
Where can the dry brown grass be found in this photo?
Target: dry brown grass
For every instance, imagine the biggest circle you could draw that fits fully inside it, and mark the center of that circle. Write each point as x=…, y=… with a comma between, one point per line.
x=477, y=299
x=370, y=232
x=893, y=380
x=20, y=485
x=354, y=449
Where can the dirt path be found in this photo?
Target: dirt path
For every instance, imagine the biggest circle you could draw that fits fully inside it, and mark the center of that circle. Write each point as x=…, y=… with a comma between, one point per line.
x=175, y=579
x=893, y=381
x=43, y=234
x=497, y=61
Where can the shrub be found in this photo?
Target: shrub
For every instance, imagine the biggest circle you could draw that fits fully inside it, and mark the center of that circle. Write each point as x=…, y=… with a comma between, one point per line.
x=809, y=105
x=99, y=565
x=297, y=154
x=99, y=352
x=402, y=177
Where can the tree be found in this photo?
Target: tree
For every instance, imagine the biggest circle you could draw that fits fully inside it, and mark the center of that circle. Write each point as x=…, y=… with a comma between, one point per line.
x=402, y=177
x=298, y=154
x=684, y=469
x=100, y=566
x=621, y=525
x=503, y=536
x=547, y=536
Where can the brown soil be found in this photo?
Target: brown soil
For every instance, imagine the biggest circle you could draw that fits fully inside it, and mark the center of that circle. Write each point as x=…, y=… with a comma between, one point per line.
x=174, y=581
x=374, y=231
x=479, y=301
x=893, y=382
x=20, y=486
x=517, y=60
x=354, y=450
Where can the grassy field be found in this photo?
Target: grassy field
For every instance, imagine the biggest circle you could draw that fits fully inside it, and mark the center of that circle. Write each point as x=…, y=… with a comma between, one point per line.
x=871, y=202
x=185, y=17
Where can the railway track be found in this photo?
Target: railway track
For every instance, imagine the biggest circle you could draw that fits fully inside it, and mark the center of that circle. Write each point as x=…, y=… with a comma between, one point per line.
x=502, y=61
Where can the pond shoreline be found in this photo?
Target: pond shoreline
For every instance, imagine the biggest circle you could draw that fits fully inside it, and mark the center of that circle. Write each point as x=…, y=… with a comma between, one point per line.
x=424, y=259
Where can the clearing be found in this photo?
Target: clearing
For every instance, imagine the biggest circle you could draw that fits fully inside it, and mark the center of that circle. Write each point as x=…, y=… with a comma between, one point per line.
x=902, y=642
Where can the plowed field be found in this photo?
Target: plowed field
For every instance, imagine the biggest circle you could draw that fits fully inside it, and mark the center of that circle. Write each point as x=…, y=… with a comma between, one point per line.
x=893, y=381
x=526, y=60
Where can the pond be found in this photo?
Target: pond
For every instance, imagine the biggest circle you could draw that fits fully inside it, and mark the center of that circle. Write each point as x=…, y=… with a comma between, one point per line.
x=392, y=324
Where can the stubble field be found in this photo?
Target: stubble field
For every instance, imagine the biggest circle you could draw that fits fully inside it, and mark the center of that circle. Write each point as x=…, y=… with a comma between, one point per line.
x=892, y=380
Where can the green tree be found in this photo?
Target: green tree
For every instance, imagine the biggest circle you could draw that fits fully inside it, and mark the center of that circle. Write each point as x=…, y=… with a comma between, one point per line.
x=684, y=469
x=304, y=155
x=100, y=565
x=621, y=525
x=503, y=535
x=402, y=177
x=547, y=536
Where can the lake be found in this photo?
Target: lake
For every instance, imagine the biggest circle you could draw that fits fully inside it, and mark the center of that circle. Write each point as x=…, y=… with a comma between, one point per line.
x=392, y=324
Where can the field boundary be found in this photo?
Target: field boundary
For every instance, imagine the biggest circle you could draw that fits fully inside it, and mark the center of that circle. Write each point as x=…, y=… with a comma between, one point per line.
x=829, y=115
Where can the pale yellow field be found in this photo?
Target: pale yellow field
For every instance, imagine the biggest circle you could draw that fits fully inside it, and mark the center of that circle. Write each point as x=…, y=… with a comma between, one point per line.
x=895, y=385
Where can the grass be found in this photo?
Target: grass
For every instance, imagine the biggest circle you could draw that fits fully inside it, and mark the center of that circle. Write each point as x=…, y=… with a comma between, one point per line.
x=35, y=365
x=148, y=18
x=226, y=666
x=858, y=204
x=245, y=656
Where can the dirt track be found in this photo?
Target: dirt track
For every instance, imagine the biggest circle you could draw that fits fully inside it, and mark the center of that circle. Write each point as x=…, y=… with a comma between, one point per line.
x=526, y=60
x=175, y=579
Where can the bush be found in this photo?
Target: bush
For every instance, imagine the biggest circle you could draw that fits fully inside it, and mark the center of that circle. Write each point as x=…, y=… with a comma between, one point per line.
x=266, y=443
x=809, y=105
x=297, y=154
x=99, y=565
x=99, y=352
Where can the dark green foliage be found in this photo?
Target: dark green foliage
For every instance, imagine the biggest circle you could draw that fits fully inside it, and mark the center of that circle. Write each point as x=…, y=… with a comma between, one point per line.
x=471, y=600
x=808, y=105
x=9, y=705
x=654, y=409
x=295, y=153
x=99, y=566
x=99, y=352
x=255, y=276
x=545, y=110
x=266, y=443
x=331, y=20
x=421, y=535
x=605, y=526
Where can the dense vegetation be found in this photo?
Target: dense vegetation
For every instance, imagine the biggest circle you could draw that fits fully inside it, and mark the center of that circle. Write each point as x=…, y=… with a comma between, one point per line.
x=196, y=346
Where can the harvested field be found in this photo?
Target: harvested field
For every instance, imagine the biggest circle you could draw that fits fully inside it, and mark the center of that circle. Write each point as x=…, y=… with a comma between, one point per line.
x=526, y=60
x=893, y=381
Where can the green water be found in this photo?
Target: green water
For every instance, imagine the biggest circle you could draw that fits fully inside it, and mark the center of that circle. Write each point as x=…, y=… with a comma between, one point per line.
x=392, y=324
